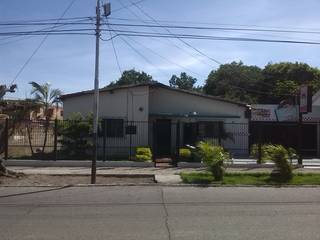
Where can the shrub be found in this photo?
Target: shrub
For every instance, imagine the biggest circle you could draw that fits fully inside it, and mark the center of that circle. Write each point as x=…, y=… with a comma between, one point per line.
x=280, y=156
x=75, y=136
x=143, y=154
x=185, y=155
x=266, y=152
x=213, y=157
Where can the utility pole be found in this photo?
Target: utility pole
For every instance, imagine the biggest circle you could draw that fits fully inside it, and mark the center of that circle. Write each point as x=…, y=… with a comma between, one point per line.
x=106, y=8
x=96, y=98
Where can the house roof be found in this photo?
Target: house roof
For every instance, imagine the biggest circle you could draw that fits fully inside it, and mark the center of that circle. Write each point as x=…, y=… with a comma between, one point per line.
x=155, y=85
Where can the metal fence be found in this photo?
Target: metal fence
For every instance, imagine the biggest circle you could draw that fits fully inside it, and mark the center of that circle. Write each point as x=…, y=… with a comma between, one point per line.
x=118, y=139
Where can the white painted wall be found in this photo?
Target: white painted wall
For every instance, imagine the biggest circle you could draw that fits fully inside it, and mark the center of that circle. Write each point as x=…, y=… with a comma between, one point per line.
x=120, y=103
x=130, y=104
x=163, y=101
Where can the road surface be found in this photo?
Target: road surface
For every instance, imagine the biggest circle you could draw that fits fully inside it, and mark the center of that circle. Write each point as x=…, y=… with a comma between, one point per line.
x=156, y=212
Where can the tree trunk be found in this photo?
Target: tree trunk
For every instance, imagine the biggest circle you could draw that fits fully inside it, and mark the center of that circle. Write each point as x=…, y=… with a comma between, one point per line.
x=45, y=134
x=29, y=139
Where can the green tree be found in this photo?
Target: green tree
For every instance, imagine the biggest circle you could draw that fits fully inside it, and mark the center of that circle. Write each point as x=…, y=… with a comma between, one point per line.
x=235, y=81
x=132, y=77
x=183, y=82
x=46, y=97
x=76, y=136
x=284, y=79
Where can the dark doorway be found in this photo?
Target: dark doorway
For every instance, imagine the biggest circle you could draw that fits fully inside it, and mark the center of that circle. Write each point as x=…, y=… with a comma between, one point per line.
x=162, y=138
x=190, y=133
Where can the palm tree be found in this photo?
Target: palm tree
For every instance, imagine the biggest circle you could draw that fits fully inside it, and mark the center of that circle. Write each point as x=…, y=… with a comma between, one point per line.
x=46, y=97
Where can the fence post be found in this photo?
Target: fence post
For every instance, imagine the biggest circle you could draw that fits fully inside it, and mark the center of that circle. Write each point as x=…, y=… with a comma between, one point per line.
x=219, y=132
x=300, y=162
x=130, y=148
x=6, y=139
x=55, y=139
x=259, y=146
x=104, y=127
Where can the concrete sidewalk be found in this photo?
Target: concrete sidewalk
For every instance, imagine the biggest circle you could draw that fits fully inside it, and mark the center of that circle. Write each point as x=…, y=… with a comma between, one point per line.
x=162, y=175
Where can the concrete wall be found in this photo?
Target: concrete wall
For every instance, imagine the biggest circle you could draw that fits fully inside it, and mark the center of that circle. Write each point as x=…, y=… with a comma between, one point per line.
x=130, y=104
x=120, y=103
x=166, y=101
x=169, y=101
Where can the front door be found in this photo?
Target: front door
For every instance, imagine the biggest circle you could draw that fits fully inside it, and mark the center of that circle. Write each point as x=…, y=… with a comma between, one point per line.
x=162, y=138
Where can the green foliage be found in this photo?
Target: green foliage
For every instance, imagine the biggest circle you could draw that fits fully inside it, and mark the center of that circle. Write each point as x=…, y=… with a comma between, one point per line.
x=278, y=81
x=143, y=154
x=280, y=156
x=249, y=178
x=230, y=81
x=213, y=157
x=185, y=155
x=132, y=77
x=183, y=82
x=267, y=151
x=75, y=135
x=197, y=178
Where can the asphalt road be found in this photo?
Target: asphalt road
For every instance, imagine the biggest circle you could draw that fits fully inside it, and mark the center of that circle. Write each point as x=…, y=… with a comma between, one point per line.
x=156, y=212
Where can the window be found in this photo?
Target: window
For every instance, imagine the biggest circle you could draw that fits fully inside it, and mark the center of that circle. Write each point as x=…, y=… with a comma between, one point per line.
x=209, y=129
x=113, y=128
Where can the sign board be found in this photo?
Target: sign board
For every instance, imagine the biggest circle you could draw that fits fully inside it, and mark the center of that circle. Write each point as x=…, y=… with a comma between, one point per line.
x=305, y=99
x=287, y=113
x=274, y=113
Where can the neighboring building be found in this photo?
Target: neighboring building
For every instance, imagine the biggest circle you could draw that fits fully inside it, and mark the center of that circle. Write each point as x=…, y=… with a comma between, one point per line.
x=55, y=113
x=163, y=117
x=32, y=110
x=279, y=124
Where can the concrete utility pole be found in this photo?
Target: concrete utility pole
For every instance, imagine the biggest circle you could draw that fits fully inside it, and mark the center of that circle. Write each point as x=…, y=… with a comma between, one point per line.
x=96, y=98
x=106, y=8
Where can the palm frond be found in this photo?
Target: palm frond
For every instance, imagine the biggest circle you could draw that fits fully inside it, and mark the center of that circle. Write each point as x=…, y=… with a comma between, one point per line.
x=55, y=95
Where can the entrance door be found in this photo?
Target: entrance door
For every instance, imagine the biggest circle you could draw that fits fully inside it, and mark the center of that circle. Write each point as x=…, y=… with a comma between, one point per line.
x=162, y=137
x=190, y=133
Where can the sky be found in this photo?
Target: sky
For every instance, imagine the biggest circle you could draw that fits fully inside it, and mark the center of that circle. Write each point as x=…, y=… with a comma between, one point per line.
x=67, y=62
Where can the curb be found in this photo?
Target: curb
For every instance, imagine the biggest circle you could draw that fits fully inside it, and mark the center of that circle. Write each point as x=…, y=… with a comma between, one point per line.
x=74, y=163
x=165, y=185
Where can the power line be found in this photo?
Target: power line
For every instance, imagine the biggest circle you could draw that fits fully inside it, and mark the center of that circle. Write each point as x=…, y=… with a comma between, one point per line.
x=169, y=40
x=46, y=20
x=127, y=6
x=212, y=24
x=166, y=59
x=20, y=38
x=114, y=50
x=207, y=37
x=40, y=45
x=181, y=40
x=141, y=55
x=213, y=28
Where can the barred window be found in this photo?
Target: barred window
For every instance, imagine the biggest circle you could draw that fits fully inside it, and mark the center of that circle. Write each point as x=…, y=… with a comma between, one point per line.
x=113, y=127
x=209, y=129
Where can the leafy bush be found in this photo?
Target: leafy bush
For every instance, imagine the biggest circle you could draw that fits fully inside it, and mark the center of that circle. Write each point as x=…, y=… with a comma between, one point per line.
x=266, y=152
x=185, y=155
x=75, y=136
x=143, y=154
x=280, y=156
x=213, y=157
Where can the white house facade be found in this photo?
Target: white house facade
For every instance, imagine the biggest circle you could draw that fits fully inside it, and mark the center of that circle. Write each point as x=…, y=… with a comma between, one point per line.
x=164, y=118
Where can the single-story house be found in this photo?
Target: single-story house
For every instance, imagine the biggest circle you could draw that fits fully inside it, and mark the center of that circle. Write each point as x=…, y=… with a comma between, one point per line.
x=162, y=117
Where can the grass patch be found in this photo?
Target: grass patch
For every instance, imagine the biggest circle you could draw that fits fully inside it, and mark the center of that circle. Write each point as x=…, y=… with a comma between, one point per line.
x=249, y=179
